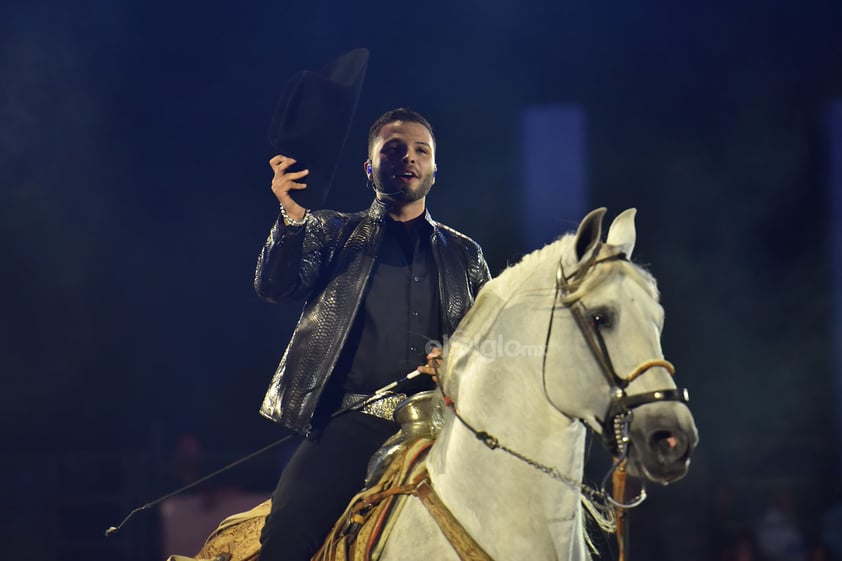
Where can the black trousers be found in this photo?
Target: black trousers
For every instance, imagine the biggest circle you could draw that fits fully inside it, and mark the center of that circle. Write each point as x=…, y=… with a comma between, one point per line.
x=317, y=484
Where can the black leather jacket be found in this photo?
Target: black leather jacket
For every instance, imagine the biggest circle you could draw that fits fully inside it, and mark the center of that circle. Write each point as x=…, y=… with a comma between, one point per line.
x=327, y=262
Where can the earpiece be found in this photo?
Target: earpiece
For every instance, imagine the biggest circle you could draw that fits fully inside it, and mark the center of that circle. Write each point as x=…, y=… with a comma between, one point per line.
x=435, y=171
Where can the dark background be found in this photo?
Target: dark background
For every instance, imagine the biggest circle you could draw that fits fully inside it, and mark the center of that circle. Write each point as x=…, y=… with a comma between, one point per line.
x=133, y=166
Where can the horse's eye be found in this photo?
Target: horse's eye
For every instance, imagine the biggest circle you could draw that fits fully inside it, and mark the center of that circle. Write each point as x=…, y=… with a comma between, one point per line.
x=602, y=318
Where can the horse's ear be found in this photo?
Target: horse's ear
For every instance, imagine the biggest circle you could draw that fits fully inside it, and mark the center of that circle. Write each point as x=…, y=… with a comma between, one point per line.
x=589, y=234
x=622, y=233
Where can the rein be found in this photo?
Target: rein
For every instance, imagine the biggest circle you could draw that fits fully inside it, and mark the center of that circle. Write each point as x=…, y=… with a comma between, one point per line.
x=493, y=443
x=615, y=426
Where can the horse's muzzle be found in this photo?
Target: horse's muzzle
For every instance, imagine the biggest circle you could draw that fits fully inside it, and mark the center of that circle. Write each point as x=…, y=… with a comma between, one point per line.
x=663, y=437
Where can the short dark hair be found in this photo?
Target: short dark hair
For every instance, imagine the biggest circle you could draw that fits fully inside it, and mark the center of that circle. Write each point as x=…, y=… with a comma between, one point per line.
x=399, y=114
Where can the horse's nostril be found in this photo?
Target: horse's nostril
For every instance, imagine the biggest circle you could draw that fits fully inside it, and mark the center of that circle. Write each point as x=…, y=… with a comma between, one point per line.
x=665, y=436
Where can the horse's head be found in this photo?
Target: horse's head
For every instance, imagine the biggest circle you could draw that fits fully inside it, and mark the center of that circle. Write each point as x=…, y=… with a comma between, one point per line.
x=622, y=388
x=573, y=332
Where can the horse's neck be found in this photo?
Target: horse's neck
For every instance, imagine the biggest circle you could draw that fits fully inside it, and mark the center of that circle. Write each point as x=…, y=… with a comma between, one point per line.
x=458, y=457
x=496, y=494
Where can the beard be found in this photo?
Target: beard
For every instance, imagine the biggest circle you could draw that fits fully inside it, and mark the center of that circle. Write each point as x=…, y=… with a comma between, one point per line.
x=397, y=193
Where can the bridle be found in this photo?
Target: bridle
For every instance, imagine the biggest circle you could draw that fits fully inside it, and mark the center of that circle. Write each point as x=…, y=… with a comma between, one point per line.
x=617, y=420
x=622, y=403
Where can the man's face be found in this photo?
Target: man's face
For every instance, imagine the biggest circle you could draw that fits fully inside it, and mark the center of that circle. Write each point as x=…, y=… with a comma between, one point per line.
x=403, y=162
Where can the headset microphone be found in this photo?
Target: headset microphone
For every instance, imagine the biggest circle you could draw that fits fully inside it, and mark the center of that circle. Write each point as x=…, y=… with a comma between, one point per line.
x=378, y=189
x=387, y=193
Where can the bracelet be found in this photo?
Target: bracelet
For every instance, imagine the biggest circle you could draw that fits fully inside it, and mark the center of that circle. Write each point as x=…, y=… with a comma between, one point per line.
x=289, y=221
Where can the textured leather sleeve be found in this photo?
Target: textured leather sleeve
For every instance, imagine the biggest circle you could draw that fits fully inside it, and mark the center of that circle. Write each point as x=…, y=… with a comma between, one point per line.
x=292, y=259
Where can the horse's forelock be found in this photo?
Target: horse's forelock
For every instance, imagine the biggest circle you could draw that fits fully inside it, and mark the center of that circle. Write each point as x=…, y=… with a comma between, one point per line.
x=598, y=275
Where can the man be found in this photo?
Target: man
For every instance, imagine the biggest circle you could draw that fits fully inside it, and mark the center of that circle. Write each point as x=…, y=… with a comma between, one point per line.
x=379, y=286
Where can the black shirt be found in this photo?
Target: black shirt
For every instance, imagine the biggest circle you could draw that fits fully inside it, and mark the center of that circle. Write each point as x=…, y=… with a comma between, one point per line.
x=400, y=314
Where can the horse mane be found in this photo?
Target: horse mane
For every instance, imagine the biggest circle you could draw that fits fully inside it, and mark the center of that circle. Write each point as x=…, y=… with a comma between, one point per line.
x=493, y=298
x=513, y=276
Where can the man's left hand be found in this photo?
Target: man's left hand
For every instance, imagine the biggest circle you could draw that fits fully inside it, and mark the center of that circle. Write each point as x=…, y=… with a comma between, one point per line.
x=433, y=364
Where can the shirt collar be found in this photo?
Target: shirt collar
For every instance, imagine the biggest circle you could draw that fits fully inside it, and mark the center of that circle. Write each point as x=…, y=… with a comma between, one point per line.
x=380, y=210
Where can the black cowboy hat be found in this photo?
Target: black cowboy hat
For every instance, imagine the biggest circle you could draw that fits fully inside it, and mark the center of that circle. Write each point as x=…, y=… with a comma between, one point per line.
x=313, y=118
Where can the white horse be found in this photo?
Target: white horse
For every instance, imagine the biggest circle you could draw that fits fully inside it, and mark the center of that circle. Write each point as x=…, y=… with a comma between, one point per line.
x=524, y=372
x=565, y=341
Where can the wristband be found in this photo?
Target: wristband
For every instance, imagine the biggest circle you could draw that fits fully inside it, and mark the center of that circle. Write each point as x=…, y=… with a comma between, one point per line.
x=289, y=221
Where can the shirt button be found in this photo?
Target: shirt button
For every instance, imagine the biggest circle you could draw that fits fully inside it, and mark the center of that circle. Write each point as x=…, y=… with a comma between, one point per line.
x=413, y=348
x=415, y=314
x=416, y=278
